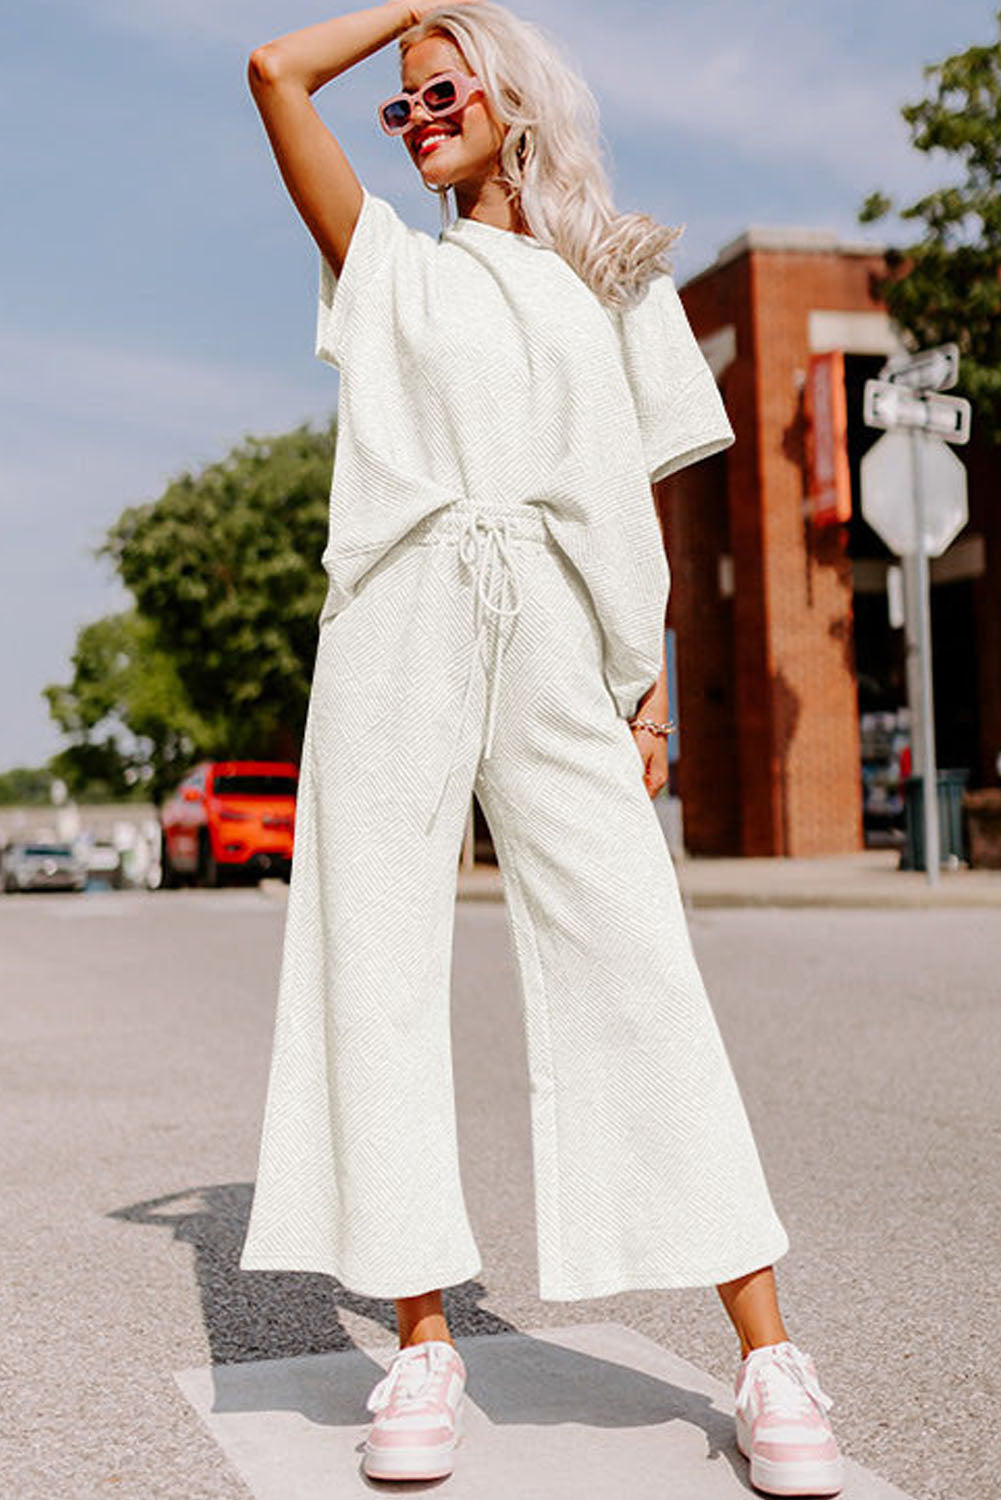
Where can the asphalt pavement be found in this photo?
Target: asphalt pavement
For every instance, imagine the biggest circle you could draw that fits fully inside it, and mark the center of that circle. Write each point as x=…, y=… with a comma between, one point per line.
x=137, y=1029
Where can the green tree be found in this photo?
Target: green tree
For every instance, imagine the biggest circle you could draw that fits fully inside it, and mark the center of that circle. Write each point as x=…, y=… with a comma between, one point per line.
x=131, y=726
x=225, y=567
x=946, y=287
x=27, y=785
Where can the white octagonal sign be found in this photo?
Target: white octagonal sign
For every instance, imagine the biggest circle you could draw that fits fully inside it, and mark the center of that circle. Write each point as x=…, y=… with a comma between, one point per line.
x=888, y=492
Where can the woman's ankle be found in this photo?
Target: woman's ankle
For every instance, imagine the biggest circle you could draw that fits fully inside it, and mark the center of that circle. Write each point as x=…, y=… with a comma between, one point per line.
x=420, y=1319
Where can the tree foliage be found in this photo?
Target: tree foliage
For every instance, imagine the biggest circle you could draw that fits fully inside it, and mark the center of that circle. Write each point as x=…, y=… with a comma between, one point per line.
x=226, y=565
x=25, y=785
x=216, y=659
x=131, y=727
x=946, y=286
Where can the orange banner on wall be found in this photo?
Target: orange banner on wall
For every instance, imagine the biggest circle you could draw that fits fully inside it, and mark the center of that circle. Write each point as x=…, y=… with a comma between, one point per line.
x=829, y=488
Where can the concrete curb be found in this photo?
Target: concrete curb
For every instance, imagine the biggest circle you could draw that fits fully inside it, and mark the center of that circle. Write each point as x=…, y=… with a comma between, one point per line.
x=868, y=879
x=884, y=901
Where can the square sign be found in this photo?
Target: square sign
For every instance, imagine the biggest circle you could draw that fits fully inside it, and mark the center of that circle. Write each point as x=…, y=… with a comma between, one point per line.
x=889, y=405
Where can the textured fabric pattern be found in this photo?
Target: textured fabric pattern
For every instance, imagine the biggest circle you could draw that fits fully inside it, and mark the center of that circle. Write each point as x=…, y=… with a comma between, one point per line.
x=479, y=366
x=646, y=1171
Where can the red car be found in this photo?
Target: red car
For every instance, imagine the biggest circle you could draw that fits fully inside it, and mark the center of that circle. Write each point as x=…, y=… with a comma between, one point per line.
x=229, y=819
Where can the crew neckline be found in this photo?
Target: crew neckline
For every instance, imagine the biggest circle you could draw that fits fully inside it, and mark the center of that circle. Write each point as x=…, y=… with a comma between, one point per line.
x=480, y=224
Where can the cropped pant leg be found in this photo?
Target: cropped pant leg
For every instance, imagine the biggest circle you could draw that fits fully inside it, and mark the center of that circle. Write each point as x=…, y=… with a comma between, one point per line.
x=358, y=1172
x=646, y=1171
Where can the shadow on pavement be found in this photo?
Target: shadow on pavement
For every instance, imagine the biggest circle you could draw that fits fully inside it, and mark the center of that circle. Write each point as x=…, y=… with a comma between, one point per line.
x=281, y=1317
x=276, y=1314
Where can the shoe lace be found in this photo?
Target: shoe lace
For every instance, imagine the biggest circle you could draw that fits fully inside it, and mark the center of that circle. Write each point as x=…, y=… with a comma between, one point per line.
x=409, y=1375
x=783, y=1378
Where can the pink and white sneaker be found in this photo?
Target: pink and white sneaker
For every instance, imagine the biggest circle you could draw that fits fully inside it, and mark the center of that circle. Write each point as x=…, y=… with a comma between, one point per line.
x=418, y=1405
x=782, y=1425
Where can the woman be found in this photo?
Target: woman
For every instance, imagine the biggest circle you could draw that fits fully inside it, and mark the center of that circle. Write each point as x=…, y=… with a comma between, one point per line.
x=497, y=588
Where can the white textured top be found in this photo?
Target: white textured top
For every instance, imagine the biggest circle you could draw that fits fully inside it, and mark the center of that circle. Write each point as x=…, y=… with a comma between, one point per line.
x=478, y=366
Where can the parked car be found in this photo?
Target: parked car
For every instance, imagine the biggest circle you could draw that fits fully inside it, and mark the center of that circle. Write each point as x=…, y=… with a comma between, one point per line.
x=43, y=867
x=227, y=820
x=103, y=861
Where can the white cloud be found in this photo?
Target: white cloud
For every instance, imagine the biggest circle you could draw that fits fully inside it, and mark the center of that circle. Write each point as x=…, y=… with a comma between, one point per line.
x=768, y=82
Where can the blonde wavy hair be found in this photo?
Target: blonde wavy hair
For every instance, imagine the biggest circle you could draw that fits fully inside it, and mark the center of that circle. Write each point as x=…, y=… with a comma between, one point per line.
x=551, y=157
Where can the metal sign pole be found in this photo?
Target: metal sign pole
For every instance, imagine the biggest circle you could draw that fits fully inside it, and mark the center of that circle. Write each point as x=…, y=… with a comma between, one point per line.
x=918, y=514
x=929, y=771
x=912, y=658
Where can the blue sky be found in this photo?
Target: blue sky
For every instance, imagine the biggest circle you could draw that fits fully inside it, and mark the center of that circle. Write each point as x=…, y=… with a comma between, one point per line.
x=160, y=289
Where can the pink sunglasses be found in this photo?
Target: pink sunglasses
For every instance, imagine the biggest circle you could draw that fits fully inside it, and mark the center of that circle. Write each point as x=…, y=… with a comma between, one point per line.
x=441, y=95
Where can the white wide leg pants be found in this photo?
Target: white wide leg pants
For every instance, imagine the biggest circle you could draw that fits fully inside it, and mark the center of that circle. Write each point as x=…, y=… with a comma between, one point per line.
x=470, y=657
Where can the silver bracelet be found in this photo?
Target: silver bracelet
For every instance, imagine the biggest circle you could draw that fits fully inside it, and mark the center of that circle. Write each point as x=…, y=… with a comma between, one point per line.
x=668, y=727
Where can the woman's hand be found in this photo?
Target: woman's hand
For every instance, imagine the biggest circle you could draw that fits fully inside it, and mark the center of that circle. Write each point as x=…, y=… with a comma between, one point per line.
x=653, y=747
x=653, y=753
x=420, y=8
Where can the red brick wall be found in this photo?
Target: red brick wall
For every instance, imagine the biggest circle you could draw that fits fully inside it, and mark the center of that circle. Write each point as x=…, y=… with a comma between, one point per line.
x=794, y=693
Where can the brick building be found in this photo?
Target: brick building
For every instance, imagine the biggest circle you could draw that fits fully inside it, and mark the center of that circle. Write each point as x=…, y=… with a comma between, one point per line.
x=782, y=630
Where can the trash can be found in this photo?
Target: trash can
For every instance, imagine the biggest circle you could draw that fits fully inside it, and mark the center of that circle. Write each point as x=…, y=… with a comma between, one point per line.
x=951, y=785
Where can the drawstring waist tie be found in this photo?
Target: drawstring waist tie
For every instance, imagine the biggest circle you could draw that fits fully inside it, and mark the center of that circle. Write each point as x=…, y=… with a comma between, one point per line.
x=484, y=538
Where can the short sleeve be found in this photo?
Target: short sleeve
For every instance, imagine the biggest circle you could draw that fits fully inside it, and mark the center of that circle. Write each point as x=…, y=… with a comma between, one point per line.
x=681, y=414
x=378, y=243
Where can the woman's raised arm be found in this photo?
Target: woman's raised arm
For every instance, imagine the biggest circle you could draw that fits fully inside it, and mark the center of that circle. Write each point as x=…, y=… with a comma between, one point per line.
x=283, y=75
